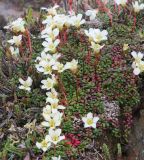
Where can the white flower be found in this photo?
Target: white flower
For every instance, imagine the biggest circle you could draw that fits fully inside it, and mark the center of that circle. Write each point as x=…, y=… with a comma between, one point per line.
x=45, y=67
x=44, y=145
x=90, y=121
x=55, y=106
x=96, y=35
x=68, y=21
x=90, y=33
x=44, y=57
x=73, y=65
x=138, y=67
x=53, y=120
x=58, y=67
x=53, y=58
x=17, y=25
x=51, y=95
x=137, y=6
x=136, y=71
x=48, y=83
x=56, y=158
x=48, y=57
x=47, y=111
x=60, y=21
x=54, y=136
x=125, y=47
x=49, y=22
x=137, y=56
x=91, y=13
x=121, y=2
x=77, y=21
x=16, y=40
x=96, y=47
x=52, y=11
x=49, y=33
x=14, y=51
x=25, y=85
x=100, y=35
x=50, y=45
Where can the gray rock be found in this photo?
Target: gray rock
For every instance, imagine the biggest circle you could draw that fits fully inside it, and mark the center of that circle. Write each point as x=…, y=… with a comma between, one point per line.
x=3, y=21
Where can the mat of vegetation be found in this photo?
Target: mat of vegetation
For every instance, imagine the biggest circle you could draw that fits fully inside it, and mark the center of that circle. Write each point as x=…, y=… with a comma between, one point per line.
x=104, y=85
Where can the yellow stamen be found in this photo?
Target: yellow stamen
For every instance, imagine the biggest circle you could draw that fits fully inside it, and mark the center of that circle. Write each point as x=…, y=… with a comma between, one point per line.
x=89, y=121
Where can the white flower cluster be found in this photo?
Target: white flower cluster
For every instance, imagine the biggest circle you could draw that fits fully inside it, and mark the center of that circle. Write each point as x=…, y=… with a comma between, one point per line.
x=25, y=85
x=16, y=27
x=138, y=6
x=49, y=64
x=138, y=64
x=96, y=37
x=91, y=13
x=62, y=21
x=121, y=2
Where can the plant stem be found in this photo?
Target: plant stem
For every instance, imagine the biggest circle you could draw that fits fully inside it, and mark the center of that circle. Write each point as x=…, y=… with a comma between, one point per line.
x=29, y=42
x=134, y=23
x=62, y=88
x=54, y=150
x=97, y=59
x=76, y=79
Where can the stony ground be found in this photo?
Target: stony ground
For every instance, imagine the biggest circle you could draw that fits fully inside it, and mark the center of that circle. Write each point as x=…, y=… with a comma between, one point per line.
x=11, y=9
x=137, y=138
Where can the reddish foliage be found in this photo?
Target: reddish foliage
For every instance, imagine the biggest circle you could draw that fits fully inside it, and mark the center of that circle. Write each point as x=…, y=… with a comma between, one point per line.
x=102, y=7
x=72, y=140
